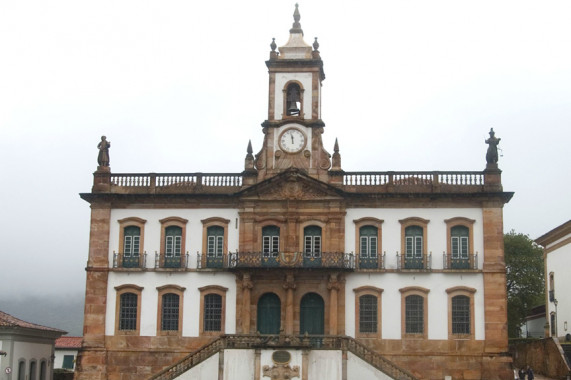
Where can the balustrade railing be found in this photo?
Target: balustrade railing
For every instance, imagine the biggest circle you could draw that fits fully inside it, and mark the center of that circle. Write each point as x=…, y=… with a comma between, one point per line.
x=413, y=178
x=176, y=179
x=313, y=342
x=132, y=261
x=452, y=261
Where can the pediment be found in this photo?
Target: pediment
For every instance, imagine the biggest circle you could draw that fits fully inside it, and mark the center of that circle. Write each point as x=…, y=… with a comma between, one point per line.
x=293, y=184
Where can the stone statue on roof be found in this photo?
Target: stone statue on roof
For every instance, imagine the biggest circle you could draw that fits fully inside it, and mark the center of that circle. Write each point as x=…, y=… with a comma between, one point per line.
x=492, y=153
x=103, y=157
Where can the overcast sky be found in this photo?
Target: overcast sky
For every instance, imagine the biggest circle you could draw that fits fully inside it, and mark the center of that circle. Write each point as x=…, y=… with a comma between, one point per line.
x=181, y=86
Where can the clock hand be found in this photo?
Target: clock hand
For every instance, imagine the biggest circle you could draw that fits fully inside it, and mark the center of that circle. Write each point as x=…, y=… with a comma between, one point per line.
x=291, y=139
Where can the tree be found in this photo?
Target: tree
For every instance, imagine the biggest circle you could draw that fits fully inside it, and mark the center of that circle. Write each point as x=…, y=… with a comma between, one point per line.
x=525, y=278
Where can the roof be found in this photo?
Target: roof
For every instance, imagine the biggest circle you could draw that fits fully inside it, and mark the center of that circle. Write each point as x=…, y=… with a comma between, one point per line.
x=69, y=342
x=8, y=321
x=555, y=234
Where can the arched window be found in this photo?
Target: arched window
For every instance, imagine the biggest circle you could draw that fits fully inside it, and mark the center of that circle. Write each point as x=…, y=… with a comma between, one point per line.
x=32, y=370
x=173, y=241
x=414, y=247
x=43, y=369
x=131, y=246
x=461, y=312
x=21, y=370
x=312, y=246
x=312, y=314
x=459, y=243
x=212, y=312
x=269, y=314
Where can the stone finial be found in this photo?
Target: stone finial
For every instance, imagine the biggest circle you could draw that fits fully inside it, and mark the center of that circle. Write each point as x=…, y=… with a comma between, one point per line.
x=316, y=45
x=336, y=159
x=103, y=156
x=296, y=27
x=273, y=45
x=249, y=161
x=492, y=153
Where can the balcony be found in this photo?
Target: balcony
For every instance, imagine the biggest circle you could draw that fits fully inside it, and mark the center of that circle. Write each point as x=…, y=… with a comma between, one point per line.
x=129, y=261
x=245, y=260
x=371, y=262
x=165, y=261
x=456, y=262
x=423, y=262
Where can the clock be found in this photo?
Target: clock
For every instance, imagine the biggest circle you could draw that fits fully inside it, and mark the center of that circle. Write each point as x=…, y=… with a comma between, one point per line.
x=292, y=140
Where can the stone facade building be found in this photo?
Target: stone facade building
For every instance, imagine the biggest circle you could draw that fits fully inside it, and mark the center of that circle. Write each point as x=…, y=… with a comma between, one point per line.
x=295, y=265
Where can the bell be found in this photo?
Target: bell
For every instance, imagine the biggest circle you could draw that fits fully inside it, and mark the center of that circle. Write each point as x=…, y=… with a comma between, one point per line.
x=292, y=109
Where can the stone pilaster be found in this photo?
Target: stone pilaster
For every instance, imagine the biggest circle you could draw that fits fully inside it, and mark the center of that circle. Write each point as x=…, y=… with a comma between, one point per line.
x=92, y=358
x=333, y=287
x=289, y=286
x=247, y=286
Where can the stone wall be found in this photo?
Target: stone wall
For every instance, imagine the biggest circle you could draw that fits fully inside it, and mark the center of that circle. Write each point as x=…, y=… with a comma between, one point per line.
x=544, y=356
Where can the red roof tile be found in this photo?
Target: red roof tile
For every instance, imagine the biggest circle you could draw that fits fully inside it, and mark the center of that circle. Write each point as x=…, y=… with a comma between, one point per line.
x=8, y=321
x=69, y=342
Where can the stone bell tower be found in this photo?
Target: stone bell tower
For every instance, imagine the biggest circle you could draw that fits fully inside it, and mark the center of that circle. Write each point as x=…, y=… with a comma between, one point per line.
x=294, y=126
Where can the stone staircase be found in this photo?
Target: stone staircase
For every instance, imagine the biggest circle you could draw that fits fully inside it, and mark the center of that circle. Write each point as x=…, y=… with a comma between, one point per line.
x=343, y=343
x=567, y=351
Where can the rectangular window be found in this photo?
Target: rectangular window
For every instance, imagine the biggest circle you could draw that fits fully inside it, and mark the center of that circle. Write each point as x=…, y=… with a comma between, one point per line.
x=173, y=246
x=128, y=311
x=212, y=312
x=461, y=315
x=368, y=314
x=414, y=314
x=271, y=246
x=170, y=312
x=68, y=361
x=413, y=247
x=215, y=246
x=459, y=247
x=313, y=246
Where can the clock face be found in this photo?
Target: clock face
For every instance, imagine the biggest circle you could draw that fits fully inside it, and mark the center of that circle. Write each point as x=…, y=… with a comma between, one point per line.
x=292, y=140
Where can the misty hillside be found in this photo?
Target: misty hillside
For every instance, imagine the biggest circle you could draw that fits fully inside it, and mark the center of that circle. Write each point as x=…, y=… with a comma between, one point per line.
x=63, y=312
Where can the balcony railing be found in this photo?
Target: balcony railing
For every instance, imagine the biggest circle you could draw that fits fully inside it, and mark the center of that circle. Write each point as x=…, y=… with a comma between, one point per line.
x=163, y=260
x=414, y=262
x=371, y=262
x=133, y=261
x=456, y=262
x=338, y=260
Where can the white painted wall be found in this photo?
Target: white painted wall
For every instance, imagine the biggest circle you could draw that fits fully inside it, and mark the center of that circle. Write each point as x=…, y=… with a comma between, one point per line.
x=558, y=261
x=208, y=369
x=239, y=364
x=281, y=80
x=437, y=300
x=59, y=354
x=325, y=364
x=359, y=369
x=29, y=351
x=152, y=234
x=191, y=302
x=436, y=230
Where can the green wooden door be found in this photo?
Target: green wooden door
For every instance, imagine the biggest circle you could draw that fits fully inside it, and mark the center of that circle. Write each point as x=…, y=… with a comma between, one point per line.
x=311, y=319
x=269, y=314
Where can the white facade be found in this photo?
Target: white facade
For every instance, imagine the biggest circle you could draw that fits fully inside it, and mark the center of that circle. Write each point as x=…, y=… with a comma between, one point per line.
x=557, y=255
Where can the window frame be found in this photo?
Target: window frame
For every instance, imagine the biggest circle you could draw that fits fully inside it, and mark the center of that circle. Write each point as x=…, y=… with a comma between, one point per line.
x=410, y=222
x=416, y=291
x=467, y=292
x=463, y=222
x=173, y=221
x=170, y=289
x=120, y=290
x=204, y=291
x=272, y=241
x=368, y=291
x=211, y=222
x=364, y=222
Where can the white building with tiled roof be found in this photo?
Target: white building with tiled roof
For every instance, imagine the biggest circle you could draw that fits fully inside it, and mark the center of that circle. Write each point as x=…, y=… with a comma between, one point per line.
x=27, y=349
x=66, y=351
